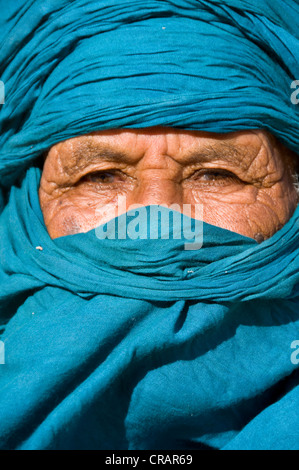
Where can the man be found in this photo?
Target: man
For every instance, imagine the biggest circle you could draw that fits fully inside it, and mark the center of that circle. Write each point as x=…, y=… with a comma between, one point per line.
x=245, y=181
x=131, y=342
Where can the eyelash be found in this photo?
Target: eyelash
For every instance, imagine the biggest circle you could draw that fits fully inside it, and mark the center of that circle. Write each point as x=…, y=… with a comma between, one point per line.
x=92, y=177
x=220, y=175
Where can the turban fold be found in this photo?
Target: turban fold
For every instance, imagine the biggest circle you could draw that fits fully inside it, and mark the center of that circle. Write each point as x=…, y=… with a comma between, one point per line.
x=74, y=67
x=116, y=344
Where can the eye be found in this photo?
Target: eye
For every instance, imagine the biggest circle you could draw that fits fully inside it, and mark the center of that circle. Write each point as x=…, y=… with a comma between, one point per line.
x=104, y=177
x=215, y=176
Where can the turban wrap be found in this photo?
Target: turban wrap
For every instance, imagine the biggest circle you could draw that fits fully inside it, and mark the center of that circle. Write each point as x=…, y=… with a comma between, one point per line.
x=113, y=344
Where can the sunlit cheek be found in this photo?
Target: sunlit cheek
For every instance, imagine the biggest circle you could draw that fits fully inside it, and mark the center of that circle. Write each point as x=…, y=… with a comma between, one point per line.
x=211, y=197
x=250, y=212
x=227, y=208
x=82, y=210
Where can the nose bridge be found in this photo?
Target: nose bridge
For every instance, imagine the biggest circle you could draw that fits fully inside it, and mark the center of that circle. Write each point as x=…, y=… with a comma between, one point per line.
x=158, y=176
x=155, y=187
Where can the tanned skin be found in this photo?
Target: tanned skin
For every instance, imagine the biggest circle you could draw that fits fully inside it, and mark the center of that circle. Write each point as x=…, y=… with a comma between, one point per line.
x=244, y=180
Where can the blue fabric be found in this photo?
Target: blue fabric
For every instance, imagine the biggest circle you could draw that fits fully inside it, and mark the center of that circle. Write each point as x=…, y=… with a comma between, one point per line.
x=114, y=344
x=71, y=67
x=121, y=344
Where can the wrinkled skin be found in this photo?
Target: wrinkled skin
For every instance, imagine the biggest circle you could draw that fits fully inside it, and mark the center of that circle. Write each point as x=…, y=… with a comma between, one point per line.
x=244, y=180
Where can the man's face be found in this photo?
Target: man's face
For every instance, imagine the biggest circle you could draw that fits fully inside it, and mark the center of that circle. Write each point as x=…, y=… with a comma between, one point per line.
x=243, y=180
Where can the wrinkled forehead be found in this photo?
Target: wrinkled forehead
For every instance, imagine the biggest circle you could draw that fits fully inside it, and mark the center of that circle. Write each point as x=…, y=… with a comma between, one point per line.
x=130, y=146
x=133, y=144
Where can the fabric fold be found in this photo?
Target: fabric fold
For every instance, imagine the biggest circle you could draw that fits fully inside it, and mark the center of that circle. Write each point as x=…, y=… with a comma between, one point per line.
x=174, y=59
x=142, y=344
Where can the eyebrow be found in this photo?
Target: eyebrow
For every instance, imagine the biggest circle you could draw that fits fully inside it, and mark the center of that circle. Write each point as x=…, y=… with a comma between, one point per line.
x=220, y=151
x=212, y=152
x=88, y=153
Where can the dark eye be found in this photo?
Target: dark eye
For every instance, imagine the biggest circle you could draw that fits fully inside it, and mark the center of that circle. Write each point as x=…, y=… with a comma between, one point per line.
x=103, y=177
x=217, y=176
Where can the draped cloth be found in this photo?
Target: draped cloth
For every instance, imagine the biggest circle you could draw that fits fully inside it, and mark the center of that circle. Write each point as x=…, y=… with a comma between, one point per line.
x=140, y=344
x=72, y=67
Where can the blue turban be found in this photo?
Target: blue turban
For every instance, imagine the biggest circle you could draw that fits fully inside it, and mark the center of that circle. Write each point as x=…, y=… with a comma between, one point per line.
x=111, y=344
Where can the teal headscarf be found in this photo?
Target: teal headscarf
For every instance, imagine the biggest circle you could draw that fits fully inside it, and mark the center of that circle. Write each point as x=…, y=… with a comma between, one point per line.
x=72, y=67
x=123, y=344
